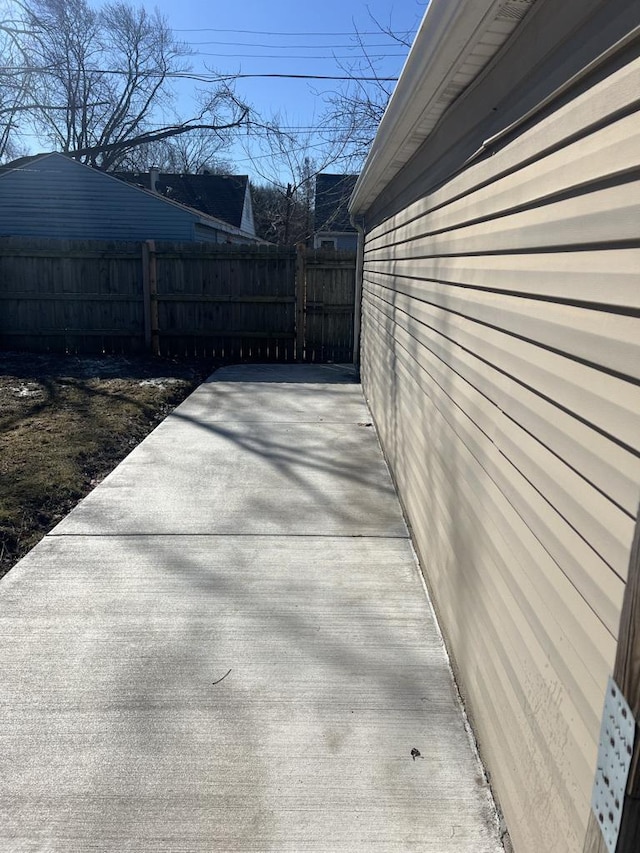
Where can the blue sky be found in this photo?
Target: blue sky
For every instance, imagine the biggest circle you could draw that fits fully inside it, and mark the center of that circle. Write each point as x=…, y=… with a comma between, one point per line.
x=285, y=37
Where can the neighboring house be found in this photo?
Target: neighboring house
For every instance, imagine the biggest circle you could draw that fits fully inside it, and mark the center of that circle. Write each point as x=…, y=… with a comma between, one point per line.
x=332, y=227
x=225, y=197
x=52, y=195
x=500, y=357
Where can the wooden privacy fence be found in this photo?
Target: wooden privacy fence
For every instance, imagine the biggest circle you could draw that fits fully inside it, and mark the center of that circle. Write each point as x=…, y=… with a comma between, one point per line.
x=254, y=303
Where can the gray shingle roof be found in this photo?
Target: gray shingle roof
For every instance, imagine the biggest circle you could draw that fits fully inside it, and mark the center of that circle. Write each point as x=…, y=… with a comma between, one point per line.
x=220, y=196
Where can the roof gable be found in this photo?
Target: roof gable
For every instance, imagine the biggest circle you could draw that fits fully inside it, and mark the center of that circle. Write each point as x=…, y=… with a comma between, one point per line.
x=20, y=163
x=52, y=195
x=53, y=166
x=57, y=194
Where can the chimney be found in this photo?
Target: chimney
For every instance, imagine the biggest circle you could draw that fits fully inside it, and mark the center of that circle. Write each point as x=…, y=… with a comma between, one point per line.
x=154, y=177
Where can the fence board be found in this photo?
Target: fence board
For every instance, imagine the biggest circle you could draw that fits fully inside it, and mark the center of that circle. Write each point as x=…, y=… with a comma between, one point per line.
x=175, y=299
x=73, y=296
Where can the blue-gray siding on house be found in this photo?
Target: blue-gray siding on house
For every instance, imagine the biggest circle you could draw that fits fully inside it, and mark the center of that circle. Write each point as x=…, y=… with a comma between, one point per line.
x=54, y=196
x=204, y=234
x=347, y=242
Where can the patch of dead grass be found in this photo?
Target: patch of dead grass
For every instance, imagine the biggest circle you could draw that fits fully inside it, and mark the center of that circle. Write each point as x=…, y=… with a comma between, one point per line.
x=65, y=423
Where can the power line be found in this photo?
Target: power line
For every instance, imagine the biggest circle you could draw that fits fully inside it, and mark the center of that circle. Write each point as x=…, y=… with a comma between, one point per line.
x=295, y=56
x=285, y=128
x=205, y=78
x=259, y=133
x=355, y=46
x=271, y=33
x=302, y=150
x=308, y=77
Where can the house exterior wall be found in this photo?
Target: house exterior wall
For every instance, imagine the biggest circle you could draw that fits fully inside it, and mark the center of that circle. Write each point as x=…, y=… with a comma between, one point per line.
x=343, y=241
x=206, y=234
x=210, y=235
x=501, y=362
x=59, y=198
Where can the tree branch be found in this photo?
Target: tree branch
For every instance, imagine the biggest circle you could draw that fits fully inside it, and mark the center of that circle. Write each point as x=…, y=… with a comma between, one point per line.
x=153, y=136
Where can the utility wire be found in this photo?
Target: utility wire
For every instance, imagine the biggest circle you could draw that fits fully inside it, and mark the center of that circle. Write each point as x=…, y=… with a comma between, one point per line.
x=274, y=156
x=204, y=78
x=306, y=77
x=271, y=33
x=296, y=56
x=353, y=45
x=286, y=129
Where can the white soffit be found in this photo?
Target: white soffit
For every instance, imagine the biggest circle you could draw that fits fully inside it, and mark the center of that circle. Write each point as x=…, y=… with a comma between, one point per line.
x=456, y=40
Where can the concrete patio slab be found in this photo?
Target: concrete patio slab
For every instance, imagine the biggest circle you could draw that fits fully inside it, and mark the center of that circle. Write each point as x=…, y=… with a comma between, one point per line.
x=194, y=477
x=305, y=374
x=280, y=402
x=253, y=457
x=250, y=686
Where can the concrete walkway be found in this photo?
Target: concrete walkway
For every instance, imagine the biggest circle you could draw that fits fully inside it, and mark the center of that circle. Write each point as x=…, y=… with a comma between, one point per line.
x=227, y=647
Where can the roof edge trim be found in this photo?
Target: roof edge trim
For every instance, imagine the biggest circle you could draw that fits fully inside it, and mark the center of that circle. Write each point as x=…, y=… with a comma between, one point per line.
x=447, y=35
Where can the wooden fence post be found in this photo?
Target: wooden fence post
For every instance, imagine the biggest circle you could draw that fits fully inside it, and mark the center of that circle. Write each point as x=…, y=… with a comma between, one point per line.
x=357, y=296
x=150, y=295
x=626, y=674
x=146, y=296
x=301, y=288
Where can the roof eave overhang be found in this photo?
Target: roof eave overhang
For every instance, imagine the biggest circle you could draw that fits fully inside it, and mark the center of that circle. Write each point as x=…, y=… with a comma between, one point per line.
x=221, y=225
x=439, y=67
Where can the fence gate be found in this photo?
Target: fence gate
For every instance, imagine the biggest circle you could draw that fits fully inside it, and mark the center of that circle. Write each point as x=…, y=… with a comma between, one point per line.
x=326, y=295
x=232, y=302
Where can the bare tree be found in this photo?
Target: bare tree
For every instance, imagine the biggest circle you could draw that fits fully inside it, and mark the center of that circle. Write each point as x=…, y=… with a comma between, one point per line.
x=268, y=212
x=354, y=112
x=283, y=214
x=288, y=163
x=14, y=77
x=101, y=79
x=191, y=154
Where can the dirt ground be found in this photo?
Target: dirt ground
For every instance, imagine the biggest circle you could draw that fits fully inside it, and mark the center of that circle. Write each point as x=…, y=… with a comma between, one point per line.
x=65, y=423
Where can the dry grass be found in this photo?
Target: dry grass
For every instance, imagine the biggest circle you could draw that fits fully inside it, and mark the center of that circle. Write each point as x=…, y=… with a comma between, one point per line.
x=65, y=423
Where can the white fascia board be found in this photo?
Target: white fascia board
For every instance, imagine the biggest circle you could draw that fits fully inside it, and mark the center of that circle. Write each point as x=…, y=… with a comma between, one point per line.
x=447, y=35
x=221, y=225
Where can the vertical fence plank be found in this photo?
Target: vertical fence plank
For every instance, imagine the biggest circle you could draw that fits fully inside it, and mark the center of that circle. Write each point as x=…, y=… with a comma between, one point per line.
x=153, y=298
x=301, y=289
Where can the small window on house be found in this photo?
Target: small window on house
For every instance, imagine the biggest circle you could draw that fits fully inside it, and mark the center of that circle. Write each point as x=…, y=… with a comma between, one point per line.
x=328, y=243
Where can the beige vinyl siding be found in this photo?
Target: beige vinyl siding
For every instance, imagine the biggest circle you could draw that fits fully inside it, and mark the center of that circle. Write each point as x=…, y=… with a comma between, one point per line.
x=501, y=361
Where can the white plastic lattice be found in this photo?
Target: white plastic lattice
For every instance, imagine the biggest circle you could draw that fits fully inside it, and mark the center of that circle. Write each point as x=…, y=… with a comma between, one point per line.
x=614, y=758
